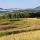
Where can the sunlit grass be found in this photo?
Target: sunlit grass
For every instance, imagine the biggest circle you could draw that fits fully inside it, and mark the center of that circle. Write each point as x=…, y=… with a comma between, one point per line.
x=28, y=22
x=33, y=35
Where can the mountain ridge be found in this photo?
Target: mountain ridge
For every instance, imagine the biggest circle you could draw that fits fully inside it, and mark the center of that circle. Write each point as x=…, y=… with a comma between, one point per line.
x=37, y=8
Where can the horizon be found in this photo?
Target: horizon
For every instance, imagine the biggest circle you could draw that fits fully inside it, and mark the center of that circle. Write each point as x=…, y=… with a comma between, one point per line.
x=22, y=4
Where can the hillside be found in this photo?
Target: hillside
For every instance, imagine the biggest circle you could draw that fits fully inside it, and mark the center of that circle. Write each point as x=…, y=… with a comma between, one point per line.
x=37, y=8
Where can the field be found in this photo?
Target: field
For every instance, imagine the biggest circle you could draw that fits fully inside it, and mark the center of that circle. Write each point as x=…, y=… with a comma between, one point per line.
x=33, y=35
x=20, y=29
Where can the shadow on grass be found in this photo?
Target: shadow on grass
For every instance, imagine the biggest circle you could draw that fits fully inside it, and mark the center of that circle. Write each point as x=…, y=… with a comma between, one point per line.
x=16, y=32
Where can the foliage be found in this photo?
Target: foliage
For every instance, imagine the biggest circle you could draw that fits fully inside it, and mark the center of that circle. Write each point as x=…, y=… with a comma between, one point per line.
x=20, y=15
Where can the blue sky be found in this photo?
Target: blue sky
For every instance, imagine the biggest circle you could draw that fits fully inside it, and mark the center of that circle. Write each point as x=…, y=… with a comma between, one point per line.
x=19, y=3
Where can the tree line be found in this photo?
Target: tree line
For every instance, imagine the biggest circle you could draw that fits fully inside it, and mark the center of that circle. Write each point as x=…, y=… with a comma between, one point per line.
x=20, y=15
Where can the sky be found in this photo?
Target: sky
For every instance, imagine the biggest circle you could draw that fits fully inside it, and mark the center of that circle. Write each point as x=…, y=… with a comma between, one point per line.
x=23, y=4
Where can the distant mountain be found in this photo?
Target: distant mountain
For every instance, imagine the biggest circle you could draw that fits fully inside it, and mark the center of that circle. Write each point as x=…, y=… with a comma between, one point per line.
x=17, y=10
x=37, y=8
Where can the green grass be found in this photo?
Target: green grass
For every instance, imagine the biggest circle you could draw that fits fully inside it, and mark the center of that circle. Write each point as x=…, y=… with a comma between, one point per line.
x=27, y=22
x=21, y=23
x=17, y=32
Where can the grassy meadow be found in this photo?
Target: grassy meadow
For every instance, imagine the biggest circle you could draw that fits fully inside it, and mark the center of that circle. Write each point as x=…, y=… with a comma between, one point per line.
x=20, y=29
x=33, y=35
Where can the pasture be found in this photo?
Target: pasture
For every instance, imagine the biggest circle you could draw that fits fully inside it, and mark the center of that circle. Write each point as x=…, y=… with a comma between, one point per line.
x=33, y=35
x=24, y=29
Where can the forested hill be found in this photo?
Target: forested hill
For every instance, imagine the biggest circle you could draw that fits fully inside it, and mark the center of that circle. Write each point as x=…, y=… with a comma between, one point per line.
x=20, y=13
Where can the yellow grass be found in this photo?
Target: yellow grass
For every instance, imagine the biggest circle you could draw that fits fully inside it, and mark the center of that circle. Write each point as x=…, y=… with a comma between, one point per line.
x=33, y=35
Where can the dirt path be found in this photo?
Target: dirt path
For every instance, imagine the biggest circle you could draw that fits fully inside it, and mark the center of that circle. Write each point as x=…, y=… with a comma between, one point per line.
x=6, y=27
